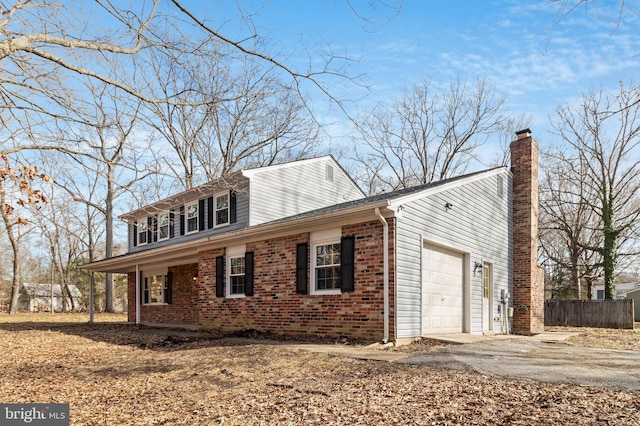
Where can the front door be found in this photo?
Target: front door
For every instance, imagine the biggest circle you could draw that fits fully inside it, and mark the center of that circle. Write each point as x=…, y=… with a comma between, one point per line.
x=487, y=292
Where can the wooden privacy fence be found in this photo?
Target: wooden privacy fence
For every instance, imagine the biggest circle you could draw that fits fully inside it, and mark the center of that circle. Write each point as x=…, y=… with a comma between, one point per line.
x=589, y=313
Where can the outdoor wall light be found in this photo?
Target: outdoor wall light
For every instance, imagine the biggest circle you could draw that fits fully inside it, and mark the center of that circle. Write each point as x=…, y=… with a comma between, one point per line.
x=448, y=206
x=476, y=266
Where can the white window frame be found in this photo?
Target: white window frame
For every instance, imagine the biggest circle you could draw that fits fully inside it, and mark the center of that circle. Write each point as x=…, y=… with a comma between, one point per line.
x=168, y=215
x=147, y=278
x=317, y=239
x=216, y=210
x=186, y=217
x=234, y=252
x=142, y=228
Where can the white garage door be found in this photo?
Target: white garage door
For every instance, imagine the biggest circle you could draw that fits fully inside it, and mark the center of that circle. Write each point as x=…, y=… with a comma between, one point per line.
x=442, y=290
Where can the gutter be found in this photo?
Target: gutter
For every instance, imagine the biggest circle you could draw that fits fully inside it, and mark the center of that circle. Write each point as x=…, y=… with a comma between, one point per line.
x=128, y=262
x=385, y=237
x=138, y=295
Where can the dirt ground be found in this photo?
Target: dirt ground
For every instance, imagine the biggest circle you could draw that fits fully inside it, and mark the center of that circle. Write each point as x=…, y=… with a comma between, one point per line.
x=119, y=374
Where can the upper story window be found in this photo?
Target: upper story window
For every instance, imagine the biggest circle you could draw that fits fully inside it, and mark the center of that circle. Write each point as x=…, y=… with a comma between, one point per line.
x=163, y=226
x=192, y=217
x=222, y=209
x=142, y=231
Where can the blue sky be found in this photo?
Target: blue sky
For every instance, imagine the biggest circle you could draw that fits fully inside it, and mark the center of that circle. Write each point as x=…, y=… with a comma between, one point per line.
x=536, y=60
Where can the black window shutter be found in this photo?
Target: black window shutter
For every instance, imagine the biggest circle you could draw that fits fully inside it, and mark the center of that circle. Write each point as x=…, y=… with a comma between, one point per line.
x=141, y=287
x=168, y=288
x=181, y=220
x=220, y=276
x=171, y=224
x=232, y=207
x=347, y=254
x=201, y=215
x=149, y=229
x=248, y=273
x=135, y=234
x=146, y=290
x=302, y=255
x=154, y=228
x=210, y=211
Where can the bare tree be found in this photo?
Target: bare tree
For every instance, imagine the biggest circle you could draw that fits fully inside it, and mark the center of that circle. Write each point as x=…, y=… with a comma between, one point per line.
x=603, y=133
x=430, y=134
x=569, y=227
x=106, y=149
x=63, y=230
x=504, y=133
x=257, y=120
x=47, y=46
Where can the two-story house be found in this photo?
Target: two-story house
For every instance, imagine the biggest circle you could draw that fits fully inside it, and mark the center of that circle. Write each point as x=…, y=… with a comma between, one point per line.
x=297, y=248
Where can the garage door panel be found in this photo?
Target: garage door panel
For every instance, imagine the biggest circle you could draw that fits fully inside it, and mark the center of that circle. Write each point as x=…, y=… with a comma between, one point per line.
x=443, y=290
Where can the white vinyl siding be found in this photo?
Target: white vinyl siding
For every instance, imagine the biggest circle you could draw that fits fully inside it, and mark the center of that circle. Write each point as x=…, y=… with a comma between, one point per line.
x=298, y=187
x=478, y=224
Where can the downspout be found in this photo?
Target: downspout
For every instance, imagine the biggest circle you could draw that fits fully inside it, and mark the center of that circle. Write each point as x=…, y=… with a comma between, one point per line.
x=137, y=294
x=385, y=226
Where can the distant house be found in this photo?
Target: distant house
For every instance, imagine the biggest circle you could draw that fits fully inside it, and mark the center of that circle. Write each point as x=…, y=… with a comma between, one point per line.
x=298, y=248
x=635, y=296
x=621, y=290
x=38, y=297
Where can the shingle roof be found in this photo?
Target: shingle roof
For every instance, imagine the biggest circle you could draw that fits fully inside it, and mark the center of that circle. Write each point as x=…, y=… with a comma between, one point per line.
x=44, y=290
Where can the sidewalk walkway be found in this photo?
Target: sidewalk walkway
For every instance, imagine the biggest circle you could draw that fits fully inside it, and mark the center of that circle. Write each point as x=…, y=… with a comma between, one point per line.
x=380, y=352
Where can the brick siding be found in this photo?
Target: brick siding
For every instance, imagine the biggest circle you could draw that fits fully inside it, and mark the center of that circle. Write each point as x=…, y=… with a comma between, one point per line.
x=528, y=286
x=182, y=309
x=275, y=305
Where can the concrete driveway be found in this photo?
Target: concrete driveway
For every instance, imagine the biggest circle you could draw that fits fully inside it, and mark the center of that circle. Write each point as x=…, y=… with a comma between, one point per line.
x=541, y=360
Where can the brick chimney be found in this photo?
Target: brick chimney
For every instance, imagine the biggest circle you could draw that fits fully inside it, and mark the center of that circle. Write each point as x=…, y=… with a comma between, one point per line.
x=528, y=283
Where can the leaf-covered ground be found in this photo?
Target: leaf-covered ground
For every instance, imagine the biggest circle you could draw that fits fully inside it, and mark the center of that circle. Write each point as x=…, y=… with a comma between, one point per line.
x=118, y=374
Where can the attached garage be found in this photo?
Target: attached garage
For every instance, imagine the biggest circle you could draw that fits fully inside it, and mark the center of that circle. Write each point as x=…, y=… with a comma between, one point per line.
x=442, y=290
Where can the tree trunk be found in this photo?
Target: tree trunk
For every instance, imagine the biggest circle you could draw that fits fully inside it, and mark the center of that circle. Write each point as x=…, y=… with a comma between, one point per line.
x=10, y=224
x=575, y=271
x=609, y=249
x=108, y=291
x=71, y=304
x=15, y=291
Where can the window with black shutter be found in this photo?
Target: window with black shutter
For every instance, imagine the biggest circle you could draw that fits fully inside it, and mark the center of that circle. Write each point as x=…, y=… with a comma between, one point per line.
x=220, y=276
x=149, y=229
x=347, y=254
x=168, y=288
x=201, y=225
x=182, y=219
x=233, y=207
x=331, y=262
x=210, y=210
x=248, y=273
x=302, y=258
x=135, y=234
